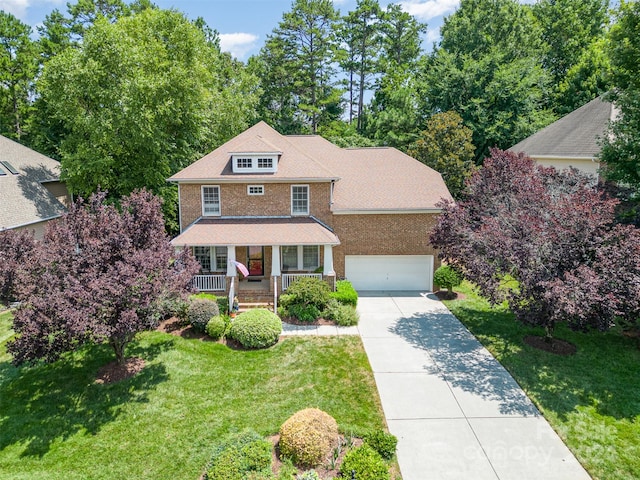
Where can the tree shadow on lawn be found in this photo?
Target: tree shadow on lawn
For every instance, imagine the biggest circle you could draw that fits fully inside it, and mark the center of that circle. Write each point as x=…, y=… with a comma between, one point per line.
x=45, y=403
x=463, y=362
x=602, y=373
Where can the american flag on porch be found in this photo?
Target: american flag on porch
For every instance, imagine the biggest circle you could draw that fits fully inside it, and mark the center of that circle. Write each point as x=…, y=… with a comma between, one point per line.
x=243, y=270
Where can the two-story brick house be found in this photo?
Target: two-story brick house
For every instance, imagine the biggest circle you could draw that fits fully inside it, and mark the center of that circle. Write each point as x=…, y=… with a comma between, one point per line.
x=286, y=206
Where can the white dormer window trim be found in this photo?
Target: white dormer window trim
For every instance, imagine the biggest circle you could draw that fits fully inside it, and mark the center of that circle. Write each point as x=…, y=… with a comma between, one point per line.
x=254, y=162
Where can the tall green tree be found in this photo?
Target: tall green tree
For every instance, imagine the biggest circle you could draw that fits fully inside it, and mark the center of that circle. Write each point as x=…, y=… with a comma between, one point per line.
x=488, y=69
x=445, y=145
x=18, y=68
x=568, y=28
x=360, y=36
x=621, y=148
x=394, y=117
x=140, y=99
x=299, y=58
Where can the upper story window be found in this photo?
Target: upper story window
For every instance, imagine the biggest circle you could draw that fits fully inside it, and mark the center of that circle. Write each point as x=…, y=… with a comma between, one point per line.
x=255, y=162
x=255, y=189
x=244, y=162
x=265, y=163
x=300, y=200
x=210, y=200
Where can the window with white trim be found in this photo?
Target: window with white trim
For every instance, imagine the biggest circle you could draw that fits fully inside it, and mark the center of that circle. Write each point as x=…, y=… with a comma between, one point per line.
x=244, y=162
x=255, y=189
x=203, y=256
x=265, y=163
x=300, y=257
x=299, y=199
x=210, y=201
x=211, y=259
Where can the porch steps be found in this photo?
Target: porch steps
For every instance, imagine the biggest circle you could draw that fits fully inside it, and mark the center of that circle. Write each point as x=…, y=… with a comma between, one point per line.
x=244, y=306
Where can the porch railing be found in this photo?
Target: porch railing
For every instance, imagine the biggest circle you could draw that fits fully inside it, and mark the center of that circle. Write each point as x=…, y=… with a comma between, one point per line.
x=210, y=283
x=289, y=278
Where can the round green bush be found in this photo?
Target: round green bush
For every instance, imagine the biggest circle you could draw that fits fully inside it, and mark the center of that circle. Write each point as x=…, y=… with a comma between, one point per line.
x=382, y=442
x=257, y=328
x=365, y=463
x=447, y=277
x=308, y=475
x=216, y=327
x=310, y=291
x=200, y=311
x=308, y=437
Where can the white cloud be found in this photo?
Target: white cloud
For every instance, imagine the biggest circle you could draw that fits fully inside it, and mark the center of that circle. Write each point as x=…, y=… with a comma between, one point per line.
x=15, y=7
x=238, y=44
x=430, y=9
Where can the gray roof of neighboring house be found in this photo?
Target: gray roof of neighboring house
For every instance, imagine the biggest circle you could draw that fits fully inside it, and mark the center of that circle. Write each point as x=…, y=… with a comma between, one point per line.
x=576, y=135
x=367, y=179
x=23, y=198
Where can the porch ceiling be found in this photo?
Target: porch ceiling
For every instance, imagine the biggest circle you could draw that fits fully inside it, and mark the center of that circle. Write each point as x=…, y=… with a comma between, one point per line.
x=256, y=231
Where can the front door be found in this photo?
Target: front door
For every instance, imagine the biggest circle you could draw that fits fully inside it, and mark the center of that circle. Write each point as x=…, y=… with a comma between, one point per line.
x=255, y=261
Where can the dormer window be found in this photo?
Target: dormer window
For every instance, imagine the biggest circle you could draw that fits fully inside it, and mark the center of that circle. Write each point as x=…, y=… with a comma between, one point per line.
x=255, y=162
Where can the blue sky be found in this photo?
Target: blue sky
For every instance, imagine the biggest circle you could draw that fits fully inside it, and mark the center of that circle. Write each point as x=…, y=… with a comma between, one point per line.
x=244, y=24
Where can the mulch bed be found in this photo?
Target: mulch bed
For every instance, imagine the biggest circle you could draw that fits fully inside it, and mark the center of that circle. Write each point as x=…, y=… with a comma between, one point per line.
x=114, y=372
x=447, y=295
x=554, y=345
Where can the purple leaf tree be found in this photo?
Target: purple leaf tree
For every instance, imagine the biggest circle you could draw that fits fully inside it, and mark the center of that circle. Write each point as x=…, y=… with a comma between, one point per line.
x=542, y=240
x=18, y=259
x=105, y=274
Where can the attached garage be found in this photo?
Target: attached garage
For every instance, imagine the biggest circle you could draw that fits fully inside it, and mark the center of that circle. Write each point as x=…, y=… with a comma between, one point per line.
x=390, y=272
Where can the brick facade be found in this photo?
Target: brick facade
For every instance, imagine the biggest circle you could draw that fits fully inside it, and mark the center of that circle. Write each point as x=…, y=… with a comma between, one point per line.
x=235, y=201
x=384, y=234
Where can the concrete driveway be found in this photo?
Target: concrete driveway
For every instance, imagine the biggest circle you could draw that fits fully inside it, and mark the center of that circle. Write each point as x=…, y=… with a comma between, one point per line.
x=456, y=411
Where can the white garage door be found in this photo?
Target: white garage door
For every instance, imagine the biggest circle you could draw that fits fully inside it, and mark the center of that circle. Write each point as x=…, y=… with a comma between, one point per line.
x=390, y=272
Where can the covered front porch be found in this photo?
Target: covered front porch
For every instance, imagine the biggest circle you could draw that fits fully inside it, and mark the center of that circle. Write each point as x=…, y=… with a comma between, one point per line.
x=257, y=259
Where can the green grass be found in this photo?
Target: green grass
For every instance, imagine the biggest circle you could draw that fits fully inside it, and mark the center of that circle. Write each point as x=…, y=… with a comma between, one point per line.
x=57, y=423
x=592, y=398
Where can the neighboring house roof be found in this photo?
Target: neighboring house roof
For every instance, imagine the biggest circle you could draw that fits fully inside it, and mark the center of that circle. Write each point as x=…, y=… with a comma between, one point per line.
x=23, y=198
x=243, y=231
x=576, y=135
x=367, y=179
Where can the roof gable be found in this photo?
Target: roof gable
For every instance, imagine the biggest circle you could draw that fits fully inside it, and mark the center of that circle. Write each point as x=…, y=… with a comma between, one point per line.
x=366, y=179
x=23, y=198
x=576, y=135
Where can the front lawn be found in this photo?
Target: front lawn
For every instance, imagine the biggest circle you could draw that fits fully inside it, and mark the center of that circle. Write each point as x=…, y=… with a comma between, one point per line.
x=57, y=423
x=592, y=398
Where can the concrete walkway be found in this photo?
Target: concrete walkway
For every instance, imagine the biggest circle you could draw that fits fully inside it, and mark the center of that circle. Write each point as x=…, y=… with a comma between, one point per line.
x=456, y=411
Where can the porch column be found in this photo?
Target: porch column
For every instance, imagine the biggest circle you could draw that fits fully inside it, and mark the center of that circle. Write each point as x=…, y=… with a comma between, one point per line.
x=328, y=261
x=275, y=261
x=231, y=258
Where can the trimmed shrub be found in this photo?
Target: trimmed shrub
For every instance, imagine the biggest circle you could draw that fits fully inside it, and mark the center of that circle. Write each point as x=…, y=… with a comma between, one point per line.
x=285, y=300
x=216, y=327
x=343, y=315
x=382, y=442
x=365, y=463
x=310, y=291
x=308, y=437
x=223, y=304
x=304, y=313
x=345, y=293
x=257, y=328
x=240, y=456
x=447, y=277
x=200, y=311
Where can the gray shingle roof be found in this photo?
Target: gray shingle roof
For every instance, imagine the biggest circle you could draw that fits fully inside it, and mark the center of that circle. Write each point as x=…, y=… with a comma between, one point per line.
x=575, y=135
x=23, y=198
